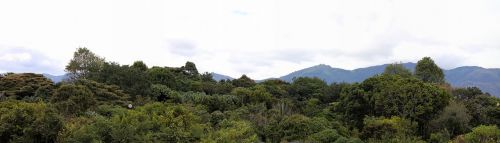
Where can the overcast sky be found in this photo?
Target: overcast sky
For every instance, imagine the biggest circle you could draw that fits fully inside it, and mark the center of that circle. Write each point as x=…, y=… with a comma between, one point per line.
x=260, y=38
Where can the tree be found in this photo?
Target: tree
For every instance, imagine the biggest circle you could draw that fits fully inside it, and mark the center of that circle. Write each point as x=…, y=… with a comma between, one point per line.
x=483, y=134
x=207, y=77
x=353, y=106
x=391, y=95
x=140, y=65
x=243, y=81
x=161, y=92
x=467, y=93
x=397, y=69
x=483, y=108
x=454, y=119
x=190, y=69
x=73, y=99
x=394, y=129
x=298, y=127
x=278, y=88
x=428, y=71
x=155, y=122
x=83, y=63
x=133, y=80
x=304, y=88
x=28, y=122
x=231, y=132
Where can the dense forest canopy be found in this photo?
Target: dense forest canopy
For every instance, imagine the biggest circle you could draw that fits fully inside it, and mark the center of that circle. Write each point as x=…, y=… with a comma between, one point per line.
x=104, y=101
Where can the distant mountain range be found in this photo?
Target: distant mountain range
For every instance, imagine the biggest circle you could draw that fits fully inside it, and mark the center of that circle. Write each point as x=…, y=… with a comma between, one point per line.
x=218, y=77
x=55, y=78
x=486, y=79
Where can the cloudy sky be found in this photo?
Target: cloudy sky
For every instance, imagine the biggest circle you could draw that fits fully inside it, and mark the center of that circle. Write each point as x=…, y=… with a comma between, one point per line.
x=260, y=38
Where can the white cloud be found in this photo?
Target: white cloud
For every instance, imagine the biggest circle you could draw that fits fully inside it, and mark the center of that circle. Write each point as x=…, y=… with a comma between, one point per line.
x=26, y=60
x=261, y=38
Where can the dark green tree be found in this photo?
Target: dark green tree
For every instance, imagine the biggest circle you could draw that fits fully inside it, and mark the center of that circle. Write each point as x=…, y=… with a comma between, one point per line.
x=428, y=71
x=243, y=81
x=140, y=65
x=304, y=88
x=190, y=69
x=397, y=69
x=133, y=80
x=454, y=119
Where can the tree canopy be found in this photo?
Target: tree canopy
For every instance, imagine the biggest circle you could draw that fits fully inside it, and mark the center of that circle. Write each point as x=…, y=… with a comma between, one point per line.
x=105, y=101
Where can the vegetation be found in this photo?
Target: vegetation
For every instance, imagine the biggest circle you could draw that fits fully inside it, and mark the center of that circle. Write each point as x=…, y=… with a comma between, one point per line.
x=108, y=102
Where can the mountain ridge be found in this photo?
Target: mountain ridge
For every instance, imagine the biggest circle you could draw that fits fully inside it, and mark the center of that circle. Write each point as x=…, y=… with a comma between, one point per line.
x=487, y=79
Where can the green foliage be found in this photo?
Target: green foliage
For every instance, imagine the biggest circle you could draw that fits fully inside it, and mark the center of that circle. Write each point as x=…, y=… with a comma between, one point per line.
x=391, y=95
x=231, y=132
x=454, y=119
x=304, y=88
x=28, y=122
x=151, y=123
x=133, y=80
x=440, y=137
x=84, y=62
x=25, y=86
x=212, y=102
x=397, y=69
x=276, y=87
x=428, y=71
x=140, y=65
x=483, y=134
x=161, y=92
x=353, y=105
x=483, y=108
x=394, y=129
x=109, y=102
x=257, y=94
x=331, y=136
x=243, y=81
x=73, y=99
x=105, y=94
x=298, y=127
x=467, y=93
x=190, y=69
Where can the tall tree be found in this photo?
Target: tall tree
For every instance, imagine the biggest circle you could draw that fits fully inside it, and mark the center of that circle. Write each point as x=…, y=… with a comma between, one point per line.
x=243, y=81
x=428, y=71
x=190, y=69
x=83, y=63
x=304, y=88
x=397, y=69
x=140, y=65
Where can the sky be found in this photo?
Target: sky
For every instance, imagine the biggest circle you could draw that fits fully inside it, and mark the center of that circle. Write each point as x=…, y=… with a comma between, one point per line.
x=259, y=38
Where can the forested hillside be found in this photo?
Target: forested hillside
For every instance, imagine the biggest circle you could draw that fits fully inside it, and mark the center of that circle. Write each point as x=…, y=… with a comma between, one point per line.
x=104, y=101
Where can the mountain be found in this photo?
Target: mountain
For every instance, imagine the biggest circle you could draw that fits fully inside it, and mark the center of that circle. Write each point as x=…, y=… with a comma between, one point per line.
x=55, y=78
x=487, y=80
x=218, y=77
x=329, y=74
